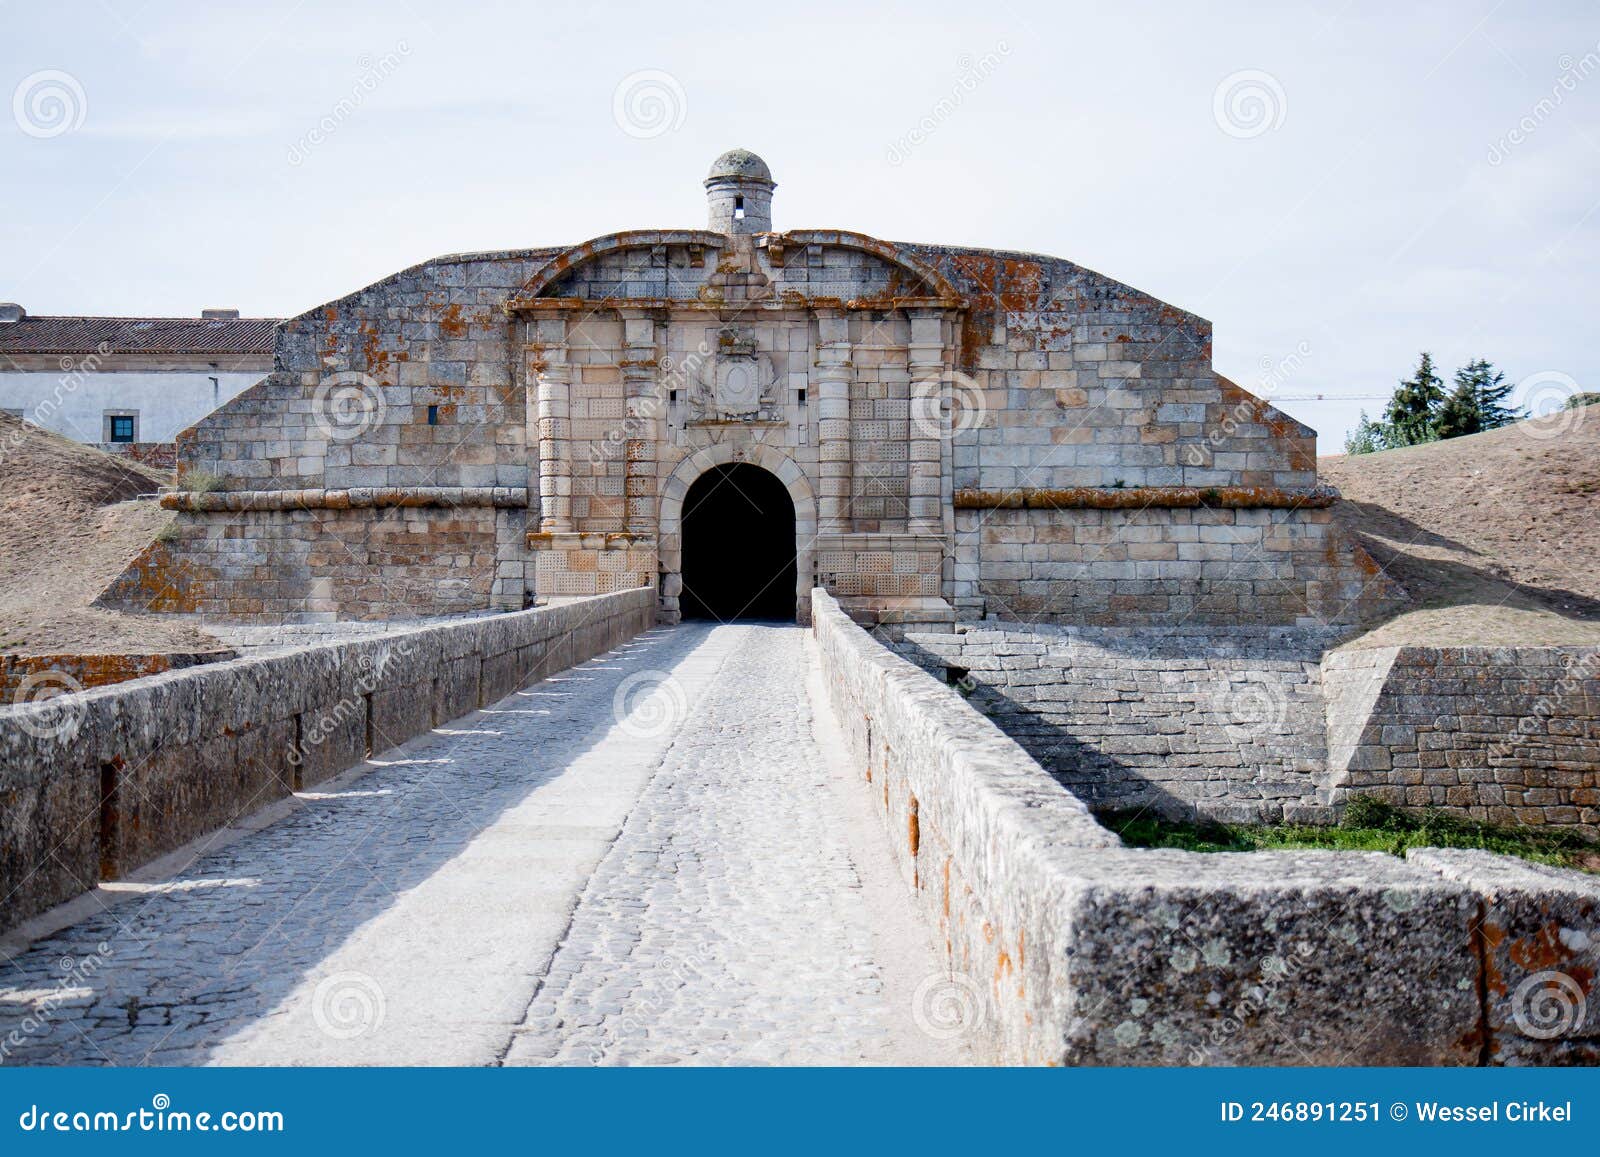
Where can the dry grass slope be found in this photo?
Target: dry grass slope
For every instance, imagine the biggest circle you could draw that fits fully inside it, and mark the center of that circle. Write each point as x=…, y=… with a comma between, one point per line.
x=1495, y=536
x=70, y=522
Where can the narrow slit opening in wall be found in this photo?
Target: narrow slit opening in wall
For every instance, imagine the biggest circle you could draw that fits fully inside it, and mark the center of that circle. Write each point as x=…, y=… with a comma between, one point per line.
x=433, y=415
x=800, y=395
x=110, y=819
x=367, y=746
x=738, y=208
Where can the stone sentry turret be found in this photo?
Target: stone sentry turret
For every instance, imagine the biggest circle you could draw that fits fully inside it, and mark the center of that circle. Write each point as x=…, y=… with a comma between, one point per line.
x=739, y=191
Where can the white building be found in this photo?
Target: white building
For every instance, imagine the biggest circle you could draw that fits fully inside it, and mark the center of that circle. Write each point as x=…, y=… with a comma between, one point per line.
x=128, y=384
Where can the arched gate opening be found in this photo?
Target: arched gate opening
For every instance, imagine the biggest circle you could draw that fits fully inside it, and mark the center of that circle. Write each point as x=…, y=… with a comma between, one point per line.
x=738, y=546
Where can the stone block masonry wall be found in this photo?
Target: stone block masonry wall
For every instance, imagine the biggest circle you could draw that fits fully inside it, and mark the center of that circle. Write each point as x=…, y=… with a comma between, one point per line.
x=1508, y=735
x=1089, y=382
x=407, y=384
x=16, y=671
x=1162, y=566
x=1220, y=722
x=110, y=779
x=1079, y=382
x=526, y=370
x=1266, y=725
x=1072, y=950
x=347, y=405
x=300, y=566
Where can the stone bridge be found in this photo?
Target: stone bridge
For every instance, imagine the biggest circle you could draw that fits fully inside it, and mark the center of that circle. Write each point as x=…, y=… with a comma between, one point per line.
x=548, y=880
x=565, y=836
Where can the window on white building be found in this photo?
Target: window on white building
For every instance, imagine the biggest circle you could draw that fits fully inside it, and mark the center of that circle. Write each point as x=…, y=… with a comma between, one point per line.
x=122, y=426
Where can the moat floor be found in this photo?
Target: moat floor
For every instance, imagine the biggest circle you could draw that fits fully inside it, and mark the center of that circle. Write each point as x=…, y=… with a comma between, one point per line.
x=657, y=857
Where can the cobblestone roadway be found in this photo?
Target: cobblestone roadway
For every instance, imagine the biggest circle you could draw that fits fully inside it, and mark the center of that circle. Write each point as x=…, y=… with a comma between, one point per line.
x=747, y=910
x=728, y=923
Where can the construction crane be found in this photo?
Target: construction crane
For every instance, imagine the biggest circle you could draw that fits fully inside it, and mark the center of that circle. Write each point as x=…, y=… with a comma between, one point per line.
x=1326, y=397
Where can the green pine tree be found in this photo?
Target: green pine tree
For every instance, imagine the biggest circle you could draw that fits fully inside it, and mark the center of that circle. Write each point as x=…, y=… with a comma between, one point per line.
x=1367, y=438
x=1493, y=390
x=1415, y=405
x=1477, y=403
x=1459, y=414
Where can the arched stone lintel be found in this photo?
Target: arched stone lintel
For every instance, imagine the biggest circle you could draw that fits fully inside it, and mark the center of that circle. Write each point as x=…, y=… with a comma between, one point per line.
x=934, y=282
x=560, y=264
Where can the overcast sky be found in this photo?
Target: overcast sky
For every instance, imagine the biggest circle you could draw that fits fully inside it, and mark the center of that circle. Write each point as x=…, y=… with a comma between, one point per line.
x=1335, y=185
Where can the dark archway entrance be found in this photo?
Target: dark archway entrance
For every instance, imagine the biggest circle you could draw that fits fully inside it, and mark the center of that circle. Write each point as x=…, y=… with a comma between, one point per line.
x=738, y=546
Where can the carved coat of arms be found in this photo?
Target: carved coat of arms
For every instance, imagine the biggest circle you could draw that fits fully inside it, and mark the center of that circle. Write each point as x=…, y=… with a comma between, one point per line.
x=738, y=381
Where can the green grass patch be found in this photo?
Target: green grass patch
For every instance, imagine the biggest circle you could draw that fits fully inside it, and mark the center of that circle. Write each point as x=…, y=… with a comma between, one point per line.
x=1369, y=825
x=198, y=482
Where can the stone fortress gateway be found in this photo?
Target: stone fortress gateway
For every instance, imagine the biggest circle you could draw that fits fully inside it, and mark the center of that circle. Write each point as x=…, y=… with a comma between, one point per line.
x=657, y=425
x=735, y=415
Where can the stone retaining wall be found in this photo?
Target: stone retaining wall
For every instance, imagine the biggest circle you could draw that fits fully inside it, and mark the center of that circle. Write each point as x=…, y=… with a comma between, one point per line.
x=304, y=564
x=1069, y=949
x=1094, y=565
x=1268, y=725
x=1224, y=722
x=109, y=779
x=1508, y=735
x=20, y=672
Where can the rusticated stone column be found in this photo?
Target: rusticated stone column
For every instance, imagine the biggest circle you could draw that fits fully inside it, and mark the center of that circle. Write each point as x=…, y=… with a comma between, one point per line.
x=833, y=374
x=554, y=401
x=929, y=420
x=642, y=399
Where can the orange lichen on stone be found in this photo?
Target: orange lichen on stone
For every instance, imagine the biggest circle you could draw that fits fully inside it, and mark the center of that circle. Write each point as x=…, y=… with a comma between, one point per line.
x=1540, y=951
x=1492, y=937
x=1002, y=967
x=96, y=670
x=450, y=322
x=1013, y=284
x=159, y=583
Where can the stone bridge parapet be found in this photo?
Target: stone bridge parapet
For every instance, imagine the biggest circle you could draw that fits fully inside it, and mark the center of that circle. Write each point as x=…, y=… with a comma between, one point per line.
x=97, y=783
x=1070, y=949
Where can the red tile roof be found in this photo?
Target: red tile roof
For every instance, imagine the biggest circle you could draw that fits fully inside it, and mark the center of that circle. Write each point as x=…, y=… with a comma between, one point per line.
x=163, y=335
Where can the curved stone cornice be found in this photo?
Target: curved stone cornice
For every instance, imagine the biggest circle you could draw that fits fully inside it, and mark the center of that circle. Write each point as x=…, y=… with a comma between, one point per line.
x=1141, y=497
x=354, y=498
x=933, y=289
x=562, y=263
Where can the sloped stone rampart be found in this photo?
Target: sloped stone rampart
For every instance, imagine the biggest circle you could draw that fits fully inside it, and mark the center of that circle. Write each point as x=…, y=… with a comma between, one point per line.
x=1504, y=735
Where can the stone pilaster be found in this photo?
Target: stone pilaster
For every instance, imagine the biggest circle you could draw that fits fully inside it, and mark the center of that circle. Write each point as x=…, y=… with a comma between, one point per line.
x=833, y=374
x=554, y=412
x=929, y=422
x=642, y=397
